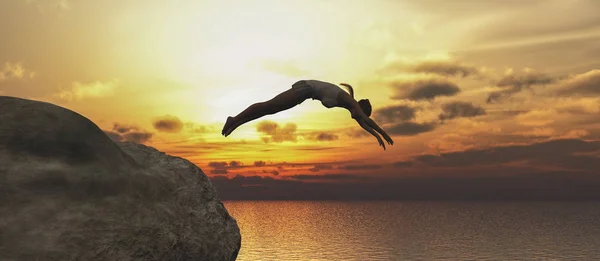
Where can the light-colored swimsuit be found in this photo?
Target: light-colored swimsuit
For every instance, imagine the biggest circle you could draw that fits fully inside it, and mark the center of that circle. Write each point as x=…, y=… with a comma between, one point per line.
x=317, y=90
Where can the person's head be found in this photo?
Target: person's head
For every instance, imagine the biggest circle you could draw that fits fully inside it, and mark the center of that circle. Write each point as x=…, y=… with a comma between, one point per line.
x=365, y=105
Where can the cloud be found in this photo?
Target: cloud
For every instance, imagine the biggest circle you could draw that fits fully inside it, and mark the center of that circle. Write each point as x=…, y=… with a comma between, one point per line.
x=218, y=168
x=223, y=167
x=12, y=70
x=137, y=137
x=538, y=132
x=445, y=67
x=410, y=128
x=120, y=128
x=395, y=113
x=123, y=133
x=115, y=136
x=217, y=165
x=219, y=171
x=575, y=134
x=274, y=133
x=557, y=153
x=512, y=84
x=587, y=83
x=537, y=118
x=259, y=163
x=533, y=185
x=168, y=123
x=360, y=167
x=80, y=91
x=197, y=128
x=423, y=89
x=460, y=109
x=324, y=177
x=320, y=167
x=235, y=164
x=322, y=136
x=272, y=172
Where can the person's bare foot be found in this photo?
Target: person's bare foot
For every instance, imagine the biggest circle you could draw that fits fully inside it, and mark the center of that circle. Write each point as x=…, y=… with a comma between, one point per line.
x=227, y=126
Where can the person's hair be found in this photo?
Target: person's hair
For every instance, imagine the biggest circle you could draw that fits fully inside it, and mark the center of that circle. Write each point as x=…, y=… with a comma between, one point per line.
x=350, y=89
x=365, y=105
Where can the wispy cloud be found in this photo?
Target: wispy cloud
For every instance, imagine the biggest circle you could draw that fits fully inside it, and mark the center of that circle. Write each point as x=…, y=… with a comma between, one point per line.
x=514, y=83
x=11, y=70
x=587, y=83
x=460, y=109
x=80, y=91
x=427, y=88
x=122, y=133
x=445, y=67
x=272, y=132
x=395, y=113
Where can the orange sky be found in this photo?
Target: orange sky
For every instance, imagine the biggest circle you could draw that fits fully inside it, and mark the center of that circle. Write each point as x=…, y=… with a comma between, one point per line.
x=443, y=77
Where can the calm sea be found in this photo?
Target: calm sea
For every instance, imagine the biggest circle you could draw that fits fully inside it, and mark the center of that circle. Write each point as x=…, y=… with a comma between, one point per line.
x=334, y=230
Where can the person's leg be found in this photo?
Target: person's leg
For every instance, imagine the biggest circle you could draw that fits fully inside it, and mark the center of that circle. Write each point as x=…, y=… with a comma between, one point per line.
x=281, y=102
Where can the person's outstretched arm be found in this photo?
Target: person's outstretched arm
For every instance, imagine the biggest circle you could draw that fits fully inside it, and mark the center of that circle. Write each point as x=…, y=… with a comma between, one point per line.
x=370, y=130
x=374, y=125
x=362, y=118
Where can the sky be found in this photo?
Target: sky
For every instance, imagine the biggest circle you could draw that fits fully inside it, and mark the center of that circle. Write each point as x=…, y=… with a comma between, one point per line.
x=484, y=99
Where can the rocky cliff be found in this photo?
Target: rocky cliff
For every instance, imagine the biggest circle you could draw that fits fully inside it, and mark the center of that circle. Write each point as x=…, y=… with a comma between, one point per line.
x=67, y=192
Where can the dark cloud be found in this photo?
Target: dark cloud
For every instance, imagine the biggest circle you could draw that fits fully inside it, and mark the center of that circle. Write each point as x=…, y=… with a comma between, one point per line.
x=319, y=136
x=320, y=167
x=274, y=133
x=120, y=128
x=218, y=167
x=115, y=136
x=272, y=172
x=583, y=84
x=324, y=136
x=259, y=163
x=460, y=109
x=323, y=177
x=168, y=123
x=550, y=170
x=219, y=171
x=440, y=67
x=512, y=84
x=360, y=167
x=395, y=113
x=424, y=89
x=549, y=185
x=235, y=164
x=558, y=153
x=222, y=167
x=410, y=128
x=137, y=136
x=123, y=133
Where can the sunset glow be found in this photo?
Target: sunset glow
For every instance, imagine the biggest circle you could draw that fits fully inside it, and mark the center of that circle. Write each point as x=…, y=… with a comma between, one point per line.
x=443, y=77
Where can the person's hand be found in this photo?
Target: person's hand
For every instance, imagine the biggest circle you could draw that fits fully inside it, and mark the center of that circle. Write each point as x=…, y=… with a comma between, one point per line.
x=381, y=143
x=388, y=139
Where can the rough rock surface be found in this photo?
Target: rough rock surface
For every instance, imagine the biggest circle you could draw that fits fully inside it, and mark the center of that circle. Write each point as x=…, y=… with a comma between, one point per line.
x=67, y=192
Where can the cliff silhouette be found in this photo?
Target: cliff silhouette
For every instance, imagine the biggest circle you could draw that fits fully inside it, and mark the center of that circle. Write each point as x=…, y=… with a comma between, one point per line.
x=68, y=192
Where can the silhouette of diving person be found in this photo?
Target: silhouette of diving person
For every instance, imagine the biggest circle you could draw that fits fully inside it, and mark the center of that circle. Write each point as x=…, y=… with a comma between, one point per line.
x=330, y=96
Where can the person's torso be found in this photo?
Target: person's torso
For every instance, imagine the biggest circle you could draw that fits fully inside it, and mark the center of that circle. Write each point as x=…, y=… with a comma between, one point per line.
x=325, y=92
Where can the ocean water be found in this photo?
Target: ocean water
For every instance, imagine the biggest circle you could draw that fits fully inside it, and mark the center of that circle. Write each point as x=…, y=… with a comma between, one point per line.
x=337, y=230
